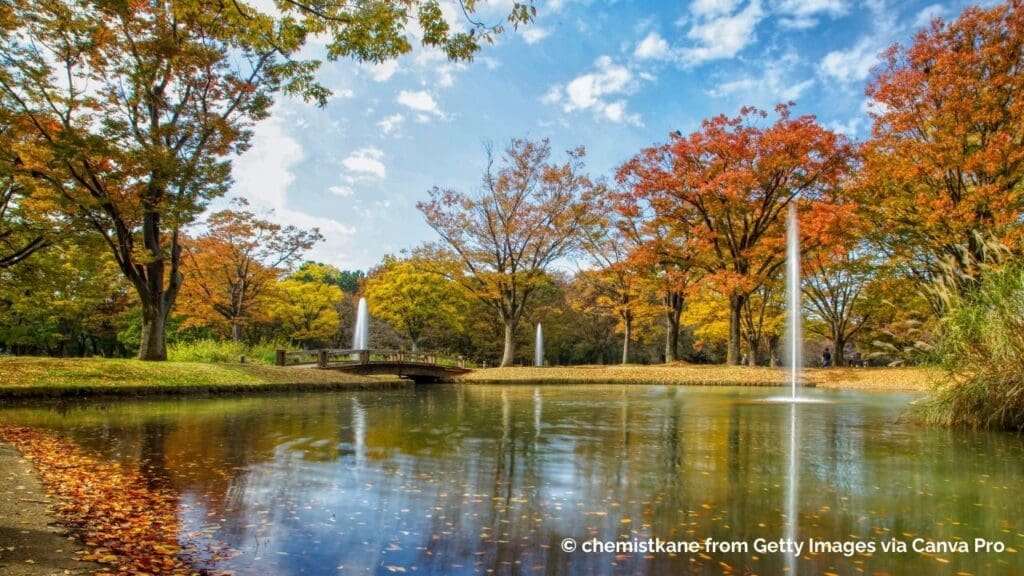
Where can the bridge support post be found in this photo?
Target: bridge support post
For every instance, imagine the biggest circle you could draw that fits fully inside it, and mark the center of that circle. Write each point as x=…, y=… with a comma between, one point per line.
x=321, y=358
x=279, y=357
x=364, y=356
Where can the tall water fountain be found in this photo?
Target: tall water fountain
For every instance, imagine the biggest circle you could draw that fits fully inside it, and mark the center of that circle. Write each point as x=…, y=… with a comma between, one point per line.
x=361, y=335
x=794, y=344
x=793, y=324
x=538, y=349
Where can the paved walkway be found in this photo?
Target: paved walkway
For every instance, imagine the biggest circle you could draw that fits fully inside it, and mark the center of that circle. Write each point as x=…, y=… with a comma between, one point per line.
x=30, y=544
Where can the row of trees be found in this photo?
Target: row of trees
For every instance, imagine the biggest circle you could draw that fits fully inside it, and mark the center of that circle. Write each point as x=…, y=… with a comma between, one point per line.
x=678, y=255
x=923, y=200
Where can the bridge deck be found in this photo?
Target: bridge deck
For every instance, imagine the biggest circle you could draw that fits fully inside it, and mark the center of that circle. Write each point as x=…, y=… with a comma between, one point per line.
x=417, y=366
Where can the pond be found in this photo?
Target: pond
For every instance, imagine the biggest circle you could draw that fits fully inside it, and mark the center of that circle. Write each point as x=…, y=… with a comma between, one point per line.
x=451, y=479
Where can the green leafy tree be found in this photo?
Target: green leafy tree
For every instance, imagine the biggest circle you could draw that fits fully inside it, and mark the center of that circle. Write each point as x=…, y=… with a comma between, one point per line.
x=69, y=299
x=347, y=280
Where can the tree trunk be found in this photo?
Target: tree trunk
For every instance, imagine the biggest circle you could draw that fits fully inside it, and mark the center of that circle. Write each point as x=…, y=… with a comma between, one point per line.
x=838, y=356
x=236, y=331
x=153, y=345
x=628, y=333
x=736, y=302
x=673, y=309
x=509, y=353
x=753, y=352
x=671, y=339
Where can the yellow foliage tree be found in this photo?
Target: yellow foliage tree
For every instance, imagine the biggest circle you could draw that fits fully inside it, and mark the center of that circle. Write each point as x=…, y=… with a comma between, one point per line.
x=306, y=310
x=414, y=300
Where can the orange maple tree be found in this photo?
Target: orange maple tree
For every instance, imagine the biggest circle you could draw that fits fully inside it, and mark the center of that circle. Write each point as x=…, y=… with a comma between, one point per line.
x=945, y=164
x=230, y=267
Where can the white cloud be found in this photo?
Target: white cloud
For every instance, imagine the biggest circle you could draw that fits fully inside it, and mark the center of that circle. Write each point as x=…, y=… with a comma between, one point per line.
x=652, y=47
x=718, y=32
x=265, y=172
x=852, y=65
x=713, y=7
x=855, y=63
x=848, y=128
x=873, y=107
x=382, y=71
x=342, y=94
x=533, y=33
x=366, y=161
x=812, y=7
x=390, y=124
x=553, y=95
x=803, y=14
x=929, y=13
x=420, y=101
x=343, y=191
x=599, y=92
x=490, y=63
x=775, y=84
x=434, y=62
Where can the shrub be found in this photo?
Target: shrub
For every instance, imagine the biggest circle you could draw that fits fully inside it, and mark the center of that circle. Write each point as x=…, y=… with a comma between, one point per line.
x=218, y=351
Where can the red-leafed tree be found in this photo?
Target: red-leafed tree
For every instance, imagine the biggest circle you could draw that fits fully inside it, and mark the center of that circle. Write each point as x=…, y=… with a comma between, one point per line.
x=664, y=252
x=945, y=165
x=732, y=180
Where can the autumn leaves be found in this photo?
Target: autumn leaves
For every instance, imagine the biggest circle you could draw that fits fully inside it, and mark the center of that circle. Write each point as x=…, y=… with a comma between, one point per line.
x=127, y=524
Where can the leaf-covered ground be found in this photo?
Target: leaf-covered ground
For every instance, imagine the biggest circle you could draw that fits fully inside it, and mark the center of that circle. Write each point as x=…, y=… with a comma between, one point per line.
x=34, y=376
x=128, y=525
x=919, y=379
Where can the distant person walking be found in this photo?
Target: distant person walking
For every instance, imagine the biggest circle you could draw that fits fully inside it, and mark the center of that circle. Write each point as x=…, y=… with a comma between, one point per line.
x=826, y=358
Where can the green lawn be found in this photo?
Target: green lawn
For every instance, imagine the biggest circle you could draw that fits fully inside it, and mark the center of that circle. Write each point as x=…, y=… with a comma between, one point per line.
x=31, y=376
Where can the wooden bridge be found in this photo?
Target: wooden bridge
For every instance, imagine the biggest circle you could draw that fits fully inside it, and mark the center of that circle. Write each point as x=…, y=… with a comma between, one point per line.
x=417, y=366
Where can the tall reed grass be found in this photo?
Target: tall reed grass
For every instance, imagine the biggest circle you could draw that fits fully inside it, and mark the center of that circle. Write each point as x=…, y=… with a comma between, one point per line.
x=982, y=347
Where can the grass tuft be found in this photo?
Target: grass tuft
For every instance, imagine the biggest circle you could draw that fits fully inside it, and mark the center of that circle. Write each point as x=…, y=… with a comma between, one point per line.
x=982, y=347
x=224, y=352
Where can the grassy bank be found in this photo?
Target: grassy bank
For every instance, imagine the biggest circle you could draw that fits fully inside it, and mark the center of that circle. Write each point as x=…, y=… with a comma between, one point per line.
x=57, y=377
x=915, y=379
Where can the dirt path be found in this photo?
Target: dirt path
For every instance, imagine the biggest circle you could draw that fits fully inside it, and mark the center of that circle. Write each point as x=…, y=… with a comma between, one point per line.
x=30, y=544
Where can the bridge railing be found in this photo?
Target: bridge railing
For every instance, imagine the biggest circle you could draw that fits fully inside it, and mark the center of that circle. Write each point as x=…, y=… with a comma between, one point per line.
x=326, y=357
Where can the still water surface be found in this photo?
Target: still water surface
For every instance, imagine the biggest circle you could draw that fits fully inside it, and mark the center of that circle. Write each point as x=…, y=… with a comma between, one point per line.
x=492, y=479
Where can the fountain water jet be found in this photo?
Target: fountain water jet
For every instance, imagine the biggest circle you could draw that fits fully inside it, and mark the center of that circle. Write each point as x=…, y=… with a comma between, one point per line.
x=361, y=334
x=538, y=351
x=793, y=327
x=793, y=339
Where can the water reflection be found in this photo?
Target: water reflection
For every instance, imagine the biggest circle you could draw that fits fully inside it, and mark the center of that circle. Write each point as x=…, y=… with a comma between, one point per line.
x=453, y=480
x=792, y=488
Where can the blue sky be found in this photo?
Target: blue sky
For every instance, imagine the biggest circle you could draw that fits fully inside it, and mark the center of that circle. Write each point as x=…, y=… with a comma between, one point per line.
x=612, y=76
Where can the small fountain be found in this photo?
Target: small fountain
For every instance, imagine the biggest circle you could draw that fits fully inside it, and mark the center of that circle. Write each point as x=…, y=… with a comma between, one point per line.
x=538, y=351
x=361, y=334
